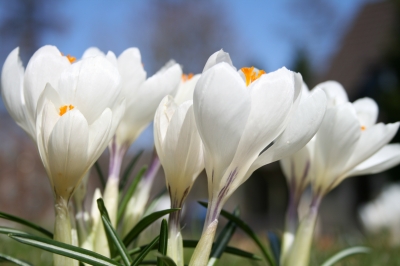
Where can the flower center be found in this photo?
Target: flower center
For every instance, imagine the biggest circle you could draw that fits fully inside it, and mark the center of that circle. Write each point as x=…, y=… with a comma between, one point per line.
x=251, y=74
x=363, y=128
x=186, y=77
x=66, y=108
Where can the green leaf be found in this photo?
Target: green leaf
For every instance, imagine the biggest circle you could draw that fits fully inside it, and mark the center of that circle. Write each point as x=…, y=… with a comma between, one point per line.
x=163, y=243
x=26, y=223
x=63, y=249
x=242, y=225
x=4, y=257
x=129, y=193
x=230, y=250
x=129, y=169
x=112, y=235
x=104, y=212
x=166, y=260
x=275, y=245
x=148, y=262
x=222, y=240
x=345, y=253
x=145, y=251
x=144, y=223
x=100, y=174
x=8, y=230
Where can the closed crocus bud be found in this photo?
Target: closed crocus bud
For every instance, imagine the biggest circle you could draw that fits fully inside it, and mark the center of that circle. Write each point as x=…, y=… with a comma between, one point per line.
x=21, y=88
x=247, y=119
x=76, y=119
x=179, y=149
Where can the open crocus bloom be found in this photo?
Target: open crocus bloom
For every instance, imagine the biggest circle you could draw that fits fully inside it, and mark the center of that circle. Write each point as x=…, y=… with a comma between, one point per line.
x=246, y=120
x=349, y=142
x=21, y=88
x=76, y=120
x=179, y=148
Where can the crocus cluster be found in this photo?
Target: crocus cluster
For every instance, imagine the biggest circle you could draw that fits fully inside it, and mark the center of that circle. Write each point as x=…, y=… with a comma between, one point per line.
x=226, y=121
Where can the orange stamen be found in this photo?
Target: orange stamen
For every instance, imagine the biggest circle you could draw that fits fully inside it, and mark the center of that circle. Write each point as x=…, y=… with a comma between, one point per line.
x=65, y=108
x=71, y=58
x=186, y=77
x=363, y=128
x=251, y=75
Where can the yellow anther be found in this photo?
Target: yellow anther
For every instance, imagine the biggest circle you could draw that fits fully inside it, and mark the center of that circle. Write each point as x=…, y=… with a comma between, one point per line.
x=70, y=58
x=66, y=108
x=363, y=128
x=186, y=77
x=251, y=74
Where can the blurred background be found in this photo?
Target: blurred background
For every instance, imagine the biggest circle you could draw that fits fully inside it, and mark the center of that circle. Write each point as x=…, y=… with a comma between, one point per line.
x=356, y=42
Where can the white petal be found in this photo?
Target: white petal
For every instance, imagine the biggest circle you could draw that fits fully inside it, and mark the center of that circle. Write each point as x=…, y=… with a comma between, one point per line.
x=335, y=92
x=92, y=85
x=162, y=118
x=272, y=98
x=301, y=128
x=141, y=110
x=112, y=58
x=221, y=105
x=186, y=90
x=12, y=92
x=372, y=139
x=45, y=66
x=216, y=58
x=68, y=145
x=367, y=111
x=296, y=168
x=132, y=73
x=99, y=135
x=92, y=52
x=335, y=142
x=385, y=158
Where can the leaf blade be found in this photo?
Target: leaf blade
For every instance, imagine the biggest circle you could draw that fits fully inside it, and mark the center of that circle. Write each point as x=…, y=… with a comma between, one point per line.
x=16, y=261
x=26, y=223
x=345, y=253
x=145, y=251
x=163, y=243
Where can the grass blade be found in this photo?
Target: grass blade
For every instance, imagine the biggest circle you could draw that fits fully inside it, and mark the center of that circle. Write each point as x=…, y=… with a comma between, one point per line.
x=112, y=235
x=4, y=257
x=345, y=253
x=145, y=251
x=275, y=245
x=166, y=260
x=100, y=174
x=7, y=230
x=163, y=243
x=63, y=249
x=129, y=169
x=242, y=225
x=144, y=223
x=129, y=193
x=26, y=223
x=222, y=240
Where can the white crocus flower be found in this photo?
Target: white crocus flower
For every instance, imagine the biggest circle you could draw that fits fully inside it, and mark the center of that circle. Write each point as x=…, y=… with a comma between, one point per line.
x=186, y=88
x=246, y=120
x=76, y=119
x=179, y=149
x=21, y=88
x=348, y=143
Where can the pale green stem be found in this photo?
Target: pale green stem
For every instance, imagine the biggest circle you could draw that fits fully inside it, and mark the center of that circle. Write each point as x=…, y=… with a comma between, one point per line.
x=300, y=253
x=291, y=224
x=175, y=242
x=62, y=230
x=202, y=251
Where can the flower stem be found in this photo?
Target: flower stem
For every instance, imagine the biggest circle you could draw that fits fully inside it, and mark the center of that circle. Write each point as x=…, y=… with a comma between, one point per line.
x=300, y=253
x=175, y=242
x=62, y=230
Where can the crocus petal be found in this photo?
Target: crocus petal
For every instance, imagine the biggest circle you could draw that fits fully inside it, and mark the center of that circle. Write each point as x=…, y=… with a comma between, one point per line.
x=272, y=100
x=301, y=128
x=384, y=159
x=218, y=57
x=12, y=92
x=296, y=168
x=186, y=90
x=335, y=92
x=132, y=73
x=112, y=58
x=91, y=85
x=372, y=139
x=221, y=105
x=98, y=134
x=68, y=145
x=334, y=144
x=367, y=111
x=92, y=52
x=45, y=66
